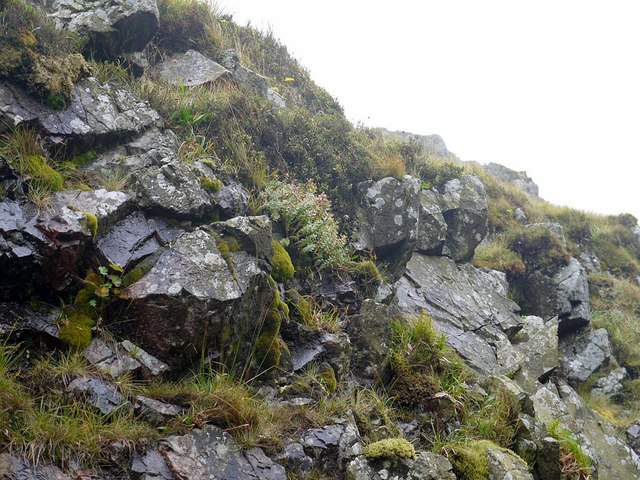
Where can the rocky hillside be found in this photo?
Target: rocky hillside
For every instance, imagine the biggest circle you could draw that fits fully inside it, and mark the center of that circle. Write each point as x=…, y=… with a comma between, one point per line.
x=209, y=273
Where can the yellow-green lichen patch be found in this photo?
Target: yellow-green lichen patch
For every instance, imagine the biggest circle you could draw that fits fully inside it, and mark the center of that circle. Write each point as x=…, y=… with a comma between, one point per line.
x=92, y=223
x=469, y=461
x=390, y=448
x=282, y=266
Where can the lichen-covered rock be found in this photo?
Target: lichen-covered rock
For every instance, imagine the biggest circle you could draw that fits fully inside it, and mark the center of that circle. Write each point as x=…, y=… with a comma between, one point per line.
x=584, y=352
x=466, y=307
x=123, y=358
x=464, y=208
x=40, y=251
x=332, y=446
x=250, y=234
x=370, y=335
x=194, y=296
x=387, y=217
x=537, y=343
x=97, y=116
x=190, y=69
x=294, y=458
x=114, y=27
x=426, y=466
x=519, y=179
x=611, y=385
x=212, y=453
x=547, y=462
x=232, y=199
x=505, y=465
x=432, y=229
x=229, y=58
x=155, y=411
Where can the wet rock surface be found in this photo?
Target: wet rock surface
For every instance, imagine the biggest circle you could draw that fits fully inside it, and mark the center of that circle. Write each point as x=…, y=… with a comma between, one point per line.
x=97, y=392
x=432, y=228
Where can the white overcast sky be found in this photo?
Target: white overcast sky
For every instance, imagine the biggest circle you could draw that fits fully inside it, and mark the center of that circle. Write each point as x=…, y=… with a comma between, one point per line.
x=550, y=87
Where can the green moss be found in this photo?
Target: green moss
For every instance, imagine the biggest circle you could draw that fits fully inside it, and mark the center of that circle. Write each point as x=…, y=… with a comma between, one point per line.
x=390, y=448
x=92, y=223
x=38, y=168
x=76, y=329
x=301, y=306
x=328, y=377
x=366, y=272
x=140, y=270
x=282, y=266
x=268, y=348
x=469, y=461
x=210, y=185
x=83, y=158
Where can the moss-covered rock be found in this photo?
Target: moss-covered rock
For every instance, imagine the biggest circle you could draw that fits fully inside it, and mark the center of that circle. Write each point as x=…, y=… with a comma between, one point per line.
x=301, y=307
x=268, y=348
x=210, y=185
x=470, y=461
x=283, y=269
x=390, y=448
x=92, y=223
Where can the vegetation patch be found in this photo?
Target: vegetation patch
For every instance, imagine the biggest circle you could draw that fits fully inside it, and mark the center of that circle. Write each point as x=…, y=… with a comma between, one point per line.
x=282, y=266
x=540, y=248
x=390, y=448
x=496, y=255
x=574, y=463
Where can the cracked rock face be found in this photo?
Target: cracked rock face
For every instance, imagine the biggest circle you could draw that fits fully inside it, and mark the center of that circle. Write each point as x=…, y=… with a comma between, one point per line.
x=97, y=116
x=12, y=467
x=212, y=453
x=466, y=307
x=193, y=296
x=584, y=352
x=114, y=27
x=387, y=220
x=332, y=445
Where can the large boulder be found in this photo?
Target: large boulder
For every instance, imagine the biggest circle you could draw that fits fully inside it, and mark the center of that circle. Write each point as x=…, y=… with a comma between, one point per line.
x=113, y=27
x=464, y=208
x=212, y=453
x=194, y=296
x=190, y=69
x=98, y=116
x=387, y=216
x=584, y=352
x=467, y=306
x=519, y=179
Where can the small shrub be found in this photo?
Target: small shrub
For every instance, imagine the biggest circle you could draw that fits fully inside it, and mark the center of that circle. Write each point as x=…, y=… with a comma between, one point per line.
x=282, y=267
x=390, y=448
x=434, y=173
x=308, y=221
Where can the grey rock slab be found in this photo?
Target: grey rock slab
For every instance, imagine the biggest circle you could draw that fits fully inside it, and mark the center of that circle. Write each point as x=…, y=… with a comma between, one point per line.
x=16, y=468
x=537, y=343
x=107, y=207
x=332, y=445
x=114, y=26
x=253, y=234
x=155, y=411
x=125, y=357
x=464, y=208
x=99, y=115
x=370, y=336
x=150, y=466
x=293, y=457
x=16, y=318
x=97, y=392
x=212, y=454
x=584, y=352
x=190, y=69
x=387, y=219
x=229, y=58
x=192, y=295
x=232, y=199
x=432, y=228
x=462, y=300
x=504, y=465
x=547, y=465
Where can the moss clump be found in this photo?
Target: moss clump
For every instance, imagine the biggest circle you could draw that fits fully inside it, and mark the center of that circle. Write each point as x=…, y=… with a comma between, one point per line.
x=268, y=348
x=37, y=167
x=470, y=461
x=390, y=448
x=38, y=55
x=301, y=306
x=328, y=376
x=76, y=329
x=92, y=223
x=282, y=266
x=210, y=185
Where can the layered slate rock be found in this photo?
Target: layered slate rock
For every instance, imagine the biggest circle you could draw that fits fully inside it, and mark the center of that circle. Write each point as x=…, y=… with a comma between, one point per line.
x=212, y=453
x=599, y=440
x=123, y=358
x=332, y=446
x=584, y=352
x=103, y=396
x=40, y=250
x=160, y=183
x=387, y=218
x=467, y=307
x=464, y=208
x=426, y=466
x=99, y=115
x=519, y=179
x=195, y=296
x=114, y=27
x=15, y=468
x=190, y=69
x=229, y=59
x=17, y=319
